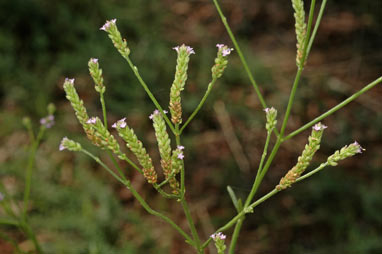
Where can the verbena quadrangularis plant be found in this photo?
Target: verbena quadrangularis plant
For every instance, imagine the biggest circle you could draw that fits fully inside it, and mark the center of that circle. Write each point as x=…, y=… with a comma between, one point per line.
x=172, y=184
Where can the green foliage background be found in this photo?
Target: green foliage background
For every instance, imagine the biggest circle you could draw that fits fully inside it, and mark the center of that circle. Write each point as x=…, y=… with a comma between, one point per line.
x=78, y=208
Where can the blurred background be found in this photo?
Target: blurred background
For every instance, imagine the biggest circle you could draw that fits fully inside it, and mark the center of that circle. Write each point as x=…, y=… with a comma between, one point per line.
x=78, y=208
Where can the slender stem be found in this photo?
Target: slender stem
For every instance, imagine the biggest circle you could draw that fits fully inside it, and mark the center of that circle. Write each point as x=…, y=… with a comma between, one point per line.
x=165, y=194
x=261, y=200
x=139, y=198
x=103, y=108
x=9, y=222
x=98, y=160
x=239, y=224
x=241, y=56
x=29, y=171
x=240, y=215
x=210, y=85
x=158, y=214
x=334, y=109
x=288, y=110
x=318, y=21
x=190, y=221
x=235, y=235
x=152, y=97
x=28, y=231
x=183, y=201
x=319, y=168
x=265, y=151
x=299, y=71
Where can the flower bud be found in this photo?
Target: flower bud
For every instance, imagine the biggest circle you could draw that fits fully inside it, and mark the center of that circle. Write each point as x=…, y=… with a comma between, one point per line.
x=136, y=146
x=120, y=44
x=69, y=145
x=177, y=86
x=345, y=152
x=96, y=74
x=271, y=115
x=305, y=158
x=220, y=61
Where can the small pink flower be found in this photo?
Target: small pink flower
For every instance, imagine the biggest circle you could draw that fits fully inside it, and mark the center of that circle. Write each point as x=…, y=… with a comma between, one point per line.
x=120, y=123
x=156, y=112
x=227, y=51
x=360, y=148
x=94, y=60
x=92, y=120
x=218, y=235
x=62, y=146
x=70, y=80
x=319, y=127
x=48, y=121
x=176, y=48
x=180, y=148
x=106, y=26
x=220, y=46
x=190, y=50
x=180, y=156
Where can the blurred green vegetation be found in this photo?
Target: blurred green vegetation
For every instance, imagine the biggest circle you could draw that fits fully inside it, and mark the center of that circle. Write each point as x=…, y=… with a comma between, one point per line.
x=75, y=202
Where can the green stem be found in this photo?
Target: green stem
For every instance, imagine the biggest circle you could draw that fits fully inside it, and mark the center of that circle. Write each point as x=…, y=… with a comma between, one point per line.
x=239, y=224
x=210, y=85
x=191, y=224
x=318, y=22
x=299, y=71
x=309, y=174
x=98, y=160
x=242, y=58
x=158, y=214
x=10, y=222
x=234, y=220
x=152, y=97
x=235, y=235
x=334, y=109
x=240, y=215
x=103, y=108
x=29, y=170
x=28, y=231
x=127, y=183
x=288, y=110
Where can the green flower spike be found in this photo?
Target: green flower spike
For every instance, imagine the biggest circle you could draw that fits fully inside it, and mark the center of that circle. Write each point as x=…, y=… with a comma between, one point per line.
x=164, y=144
x=69, y=145
x=271, y=115
x=345, y=152
x=80, y=110
x=106, y=141
x=184, y=53
x=136, y=146
x=220, y=60
x=305, y=158
x=96, y=74
x=111, y=28
x=176, y=166
x=300, y=27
